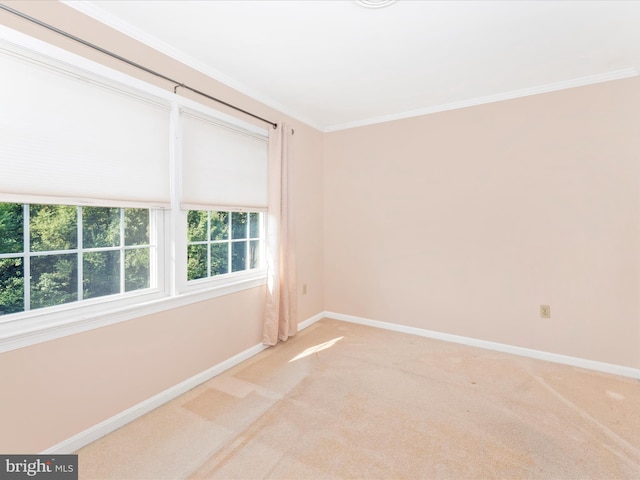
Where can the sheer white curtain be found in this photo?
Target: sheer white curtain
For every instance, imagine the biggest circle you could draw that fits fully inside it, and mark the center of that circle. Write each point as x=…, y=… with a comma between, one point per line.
x=281, y=305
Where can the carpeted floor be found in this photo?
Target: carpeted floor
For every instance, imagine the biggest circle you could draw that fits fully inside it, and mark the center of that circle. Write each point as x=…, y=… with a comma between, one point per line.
x=345, y=401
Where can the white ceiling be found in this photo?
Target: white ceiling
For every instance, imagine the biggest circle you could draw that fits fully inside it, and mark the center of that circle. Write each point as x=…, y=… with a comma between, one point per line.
x=334, y=64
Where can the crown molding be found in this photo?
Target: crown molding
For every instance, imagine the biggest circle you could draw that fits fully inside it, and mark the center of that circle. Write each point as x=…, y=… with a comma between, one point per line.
x=112, y=21
x=121, y=26
x=525, y=92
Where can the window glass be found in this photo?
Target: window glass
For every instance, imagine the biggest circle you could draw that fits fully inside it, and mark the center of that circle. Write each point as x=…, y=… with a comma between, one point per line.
x=239, y=260
x=254, y=222
x=239, y=225
x=137, y=270
x=254, y=254
x=11, y=286
x=53, y=227
x=233, y=243
x=100, y=227
x=101, y=273
x=54, y=280
x=196, y=261
x=11, y=228
x=197, y=226
x=136, y=226
x=59, y=268
x=219, y=225
x=219, y=258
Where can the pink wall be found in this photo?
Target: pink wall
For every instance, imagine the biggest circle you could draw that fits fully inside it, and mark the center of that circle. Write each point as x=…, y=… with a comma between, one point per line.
x=461, y=222
x=54, y=390
x=466, y=221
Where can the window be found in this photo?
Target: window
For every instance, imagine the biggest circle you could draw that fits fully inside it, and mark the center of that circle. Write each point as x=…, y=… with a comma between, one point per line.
x=83, y=241
x=222, y=242
x=57, y=254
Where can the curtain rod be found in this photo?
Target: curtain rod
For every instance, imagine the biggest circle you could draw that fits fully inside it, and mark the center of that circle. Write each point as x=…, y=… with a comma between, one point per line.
x=132, y=63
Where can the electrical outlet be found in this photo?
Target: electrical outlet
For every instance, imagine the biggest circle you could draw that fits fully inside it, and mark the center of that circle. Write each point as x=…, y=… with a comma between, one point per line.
x=545, y=311
x=304, y=288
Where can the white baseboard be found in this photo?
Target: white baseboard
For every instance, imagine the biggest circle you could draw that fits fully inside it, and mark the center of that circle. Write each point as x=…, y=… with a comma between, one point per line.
x=500, y=347
x=103, y=428
x=310, y=321
x=97, y=431
x=92, y=434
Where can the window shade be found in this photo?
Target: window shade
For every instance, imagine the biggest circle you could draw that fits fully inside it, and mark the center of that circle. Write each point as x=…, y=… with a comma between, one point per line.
x=222, y=165
x=72, y=137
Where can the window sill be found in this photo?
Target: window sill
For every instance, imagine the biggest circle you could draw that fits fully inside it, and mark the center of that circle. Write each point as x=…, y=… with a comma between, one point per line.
x=24, y=331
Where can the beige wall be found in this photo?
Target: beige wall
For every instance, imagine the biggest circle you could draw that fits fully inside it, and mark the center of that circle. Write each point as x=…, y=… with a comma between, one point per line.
x=466, y=221
x=54, y=390
x=461, y=222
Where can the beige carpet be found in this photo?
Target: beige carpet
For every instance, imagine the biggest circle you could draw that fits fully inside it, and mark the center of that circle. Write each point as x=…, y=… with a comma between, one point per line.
x=344, y=401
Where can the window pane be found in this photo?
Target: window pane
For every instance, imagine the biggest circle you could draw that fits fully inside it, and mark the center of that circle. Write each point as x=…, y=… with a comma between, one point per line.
x=101, y=273
x=239, y=256
x=239, y=225
x=136, y=226
x=53, y=227
x=137, y=268
x=254, y=225
x=227, y=252
x=11, y=231
x=219, y=258
x=254, y=254
x=219, y=225
x=196, y=262
x=196, y=226
x=11, y=286
x=100, y=227
x=54, y=280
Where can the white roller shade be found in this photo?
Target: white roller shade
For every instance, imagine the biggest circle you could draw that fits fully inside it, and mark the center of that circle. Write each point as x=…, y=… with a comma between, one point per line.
x=222, y=165
x=73, y=137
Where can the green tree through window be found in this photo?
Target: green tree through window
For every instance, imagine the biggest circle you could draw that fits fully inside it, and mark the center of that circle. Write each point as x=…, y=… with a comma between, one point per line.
x=11, y=269
x=222, y=242
x=71, y=253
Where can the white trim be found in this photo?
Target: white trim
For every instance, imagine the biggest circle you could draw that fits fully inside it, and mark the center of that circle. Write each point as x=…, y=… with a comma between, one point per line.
x=92, y=434
x=311, y=320
x=137, y=34
x=220, y=281
x=471, y=102
x=498, y=347
x=42, y=51
x=91, y=70
x=79, y=201
x=23, y=333
x=208, y=115
x=221, y=208
x=29, y=328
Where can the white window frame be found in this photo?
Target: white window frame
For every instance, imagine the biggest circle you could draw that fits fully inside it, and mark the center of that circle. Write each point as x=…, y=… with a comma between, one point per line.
x=217, y=284
x=171, y=288
x=47, y=323
x=221, y=284
x=27, y=254
x=247, y=273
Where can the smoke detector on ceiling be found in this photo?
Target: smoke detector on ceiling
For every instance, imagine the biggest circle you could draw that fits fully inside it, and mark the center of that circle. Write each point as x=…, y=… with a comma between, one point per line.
x=375, y=3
